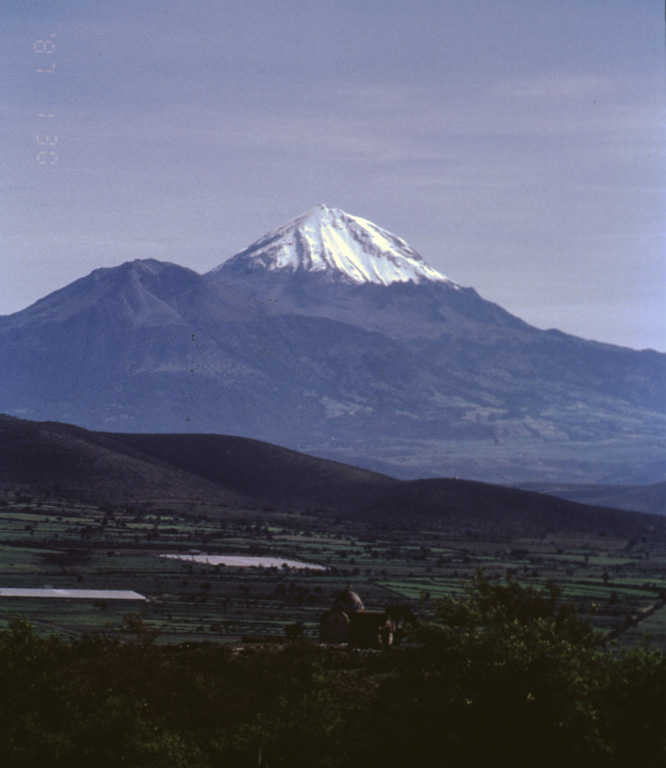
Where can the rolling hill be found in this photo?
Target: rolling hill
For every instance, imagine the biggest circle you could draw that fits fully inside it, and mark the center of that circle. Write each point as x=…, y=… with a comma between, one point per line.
x=225, y=471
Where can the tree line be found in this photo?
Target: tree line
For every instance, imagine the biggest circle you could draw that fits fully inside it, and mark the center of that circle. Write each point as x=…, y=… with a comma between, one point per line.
x=508, y=675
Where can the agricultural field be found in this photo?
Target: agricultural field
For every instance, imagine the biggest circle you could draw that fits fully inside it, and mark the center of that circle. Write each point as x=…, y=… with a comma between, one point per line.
x=50, y=542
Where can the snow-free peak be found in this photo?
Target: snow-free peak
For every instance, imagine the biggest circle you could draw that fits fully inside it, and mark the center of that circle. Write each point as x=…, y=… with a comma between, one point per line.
x=335, y=244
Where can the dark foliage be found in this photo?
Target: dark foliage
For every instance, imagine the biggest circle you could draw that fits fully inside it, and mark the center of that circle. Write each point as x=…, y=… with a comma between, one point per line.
x=510, y=676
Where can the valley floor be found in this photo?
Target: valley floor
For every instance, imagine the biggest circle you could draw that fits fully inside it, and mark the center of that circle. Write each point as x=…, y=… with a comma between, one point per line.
x=49, y=542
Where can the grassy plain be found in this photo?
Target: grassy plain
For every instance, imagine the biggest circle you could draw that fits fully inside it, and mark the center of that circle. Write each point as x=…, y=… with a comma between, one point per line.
x=54, y=542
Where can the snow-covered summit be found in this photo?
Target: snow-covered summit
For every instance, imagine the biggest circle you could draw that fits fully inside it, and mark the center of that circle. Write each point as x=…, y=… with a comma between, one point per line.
x=329, y=241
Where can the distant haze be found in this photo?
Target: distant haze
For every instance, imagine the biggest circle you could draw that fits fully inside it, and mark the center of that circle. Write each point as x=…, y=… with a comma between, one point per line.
x=518, y=146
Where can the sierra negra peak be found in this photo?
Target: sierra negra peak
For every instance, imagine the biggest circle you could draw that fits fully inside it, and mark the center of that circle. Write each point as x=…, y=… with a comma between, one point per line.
x=336, y=245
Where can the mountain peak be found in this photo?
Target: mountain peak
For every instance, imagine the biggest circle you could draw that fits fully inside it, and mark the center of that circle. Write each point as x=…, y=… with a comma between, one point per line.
x=337, y=245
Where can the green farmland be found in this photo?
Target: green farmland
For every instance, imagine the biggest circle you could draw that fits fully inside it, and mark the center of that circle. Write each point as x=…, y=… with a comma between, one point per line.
x=51, y=542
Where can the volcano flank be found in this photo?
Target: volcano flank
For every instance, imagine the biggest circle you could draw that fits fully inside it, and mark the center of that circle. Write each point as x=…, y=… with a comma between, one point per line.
x=332, y=336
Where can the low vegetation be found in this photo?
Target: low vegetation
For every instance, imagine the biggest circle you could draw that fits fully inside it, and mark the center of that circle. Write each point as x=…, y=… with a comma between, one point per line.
x=522, y=640
x=505, y=675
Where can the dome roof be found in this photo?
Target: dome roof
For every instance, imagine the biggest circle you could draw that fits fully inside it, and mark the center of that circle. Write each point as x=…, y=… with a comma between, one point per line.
x=348, y=601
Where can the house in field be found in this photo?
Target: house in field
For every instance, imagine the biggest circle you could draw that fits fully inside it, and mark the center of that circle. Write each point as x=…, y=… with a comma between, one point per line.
x=347, y=621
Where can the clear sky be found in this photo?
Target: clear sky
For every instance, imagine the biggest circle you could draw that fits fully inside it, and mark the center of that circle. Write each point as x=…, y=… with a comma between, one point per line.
x=518, y=145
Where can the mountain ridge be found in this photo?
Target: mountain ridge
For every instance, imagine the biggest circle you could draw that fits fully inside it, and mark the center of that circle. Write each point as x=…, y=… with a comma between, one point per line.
x=221, y=472
x=416, y=379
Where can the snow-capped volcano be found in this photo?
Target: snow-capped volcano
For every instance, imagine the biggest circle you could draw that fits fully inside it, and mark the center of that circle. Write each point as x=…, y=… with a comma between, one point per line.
x=332, y=336
x=337, y=245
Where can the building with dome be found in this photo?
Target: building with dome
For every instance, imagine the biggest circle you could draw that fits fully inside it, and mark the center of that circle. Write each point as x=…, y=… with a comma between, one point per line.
x=347, y=621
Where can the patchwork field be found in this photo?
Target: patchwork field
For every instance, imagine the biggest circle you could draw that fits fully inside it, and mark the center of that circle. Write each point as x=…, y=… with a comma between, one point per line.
x=51, y=543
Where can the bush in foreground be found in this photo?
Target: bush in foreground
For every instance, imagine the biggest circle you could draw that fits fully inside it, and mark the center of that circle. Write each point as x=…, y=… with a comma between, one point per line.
x=509, y=675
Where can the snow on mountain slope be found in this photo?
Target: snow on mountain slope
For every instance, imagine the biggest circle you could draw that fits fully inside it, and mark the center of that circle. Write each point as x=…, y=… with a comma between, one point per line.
x=340, y=246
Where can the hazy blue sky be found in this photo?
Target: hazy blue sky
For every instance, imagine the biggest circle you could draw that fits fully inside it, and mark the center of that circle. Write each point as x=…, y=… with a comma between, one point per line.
x=518, y=145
